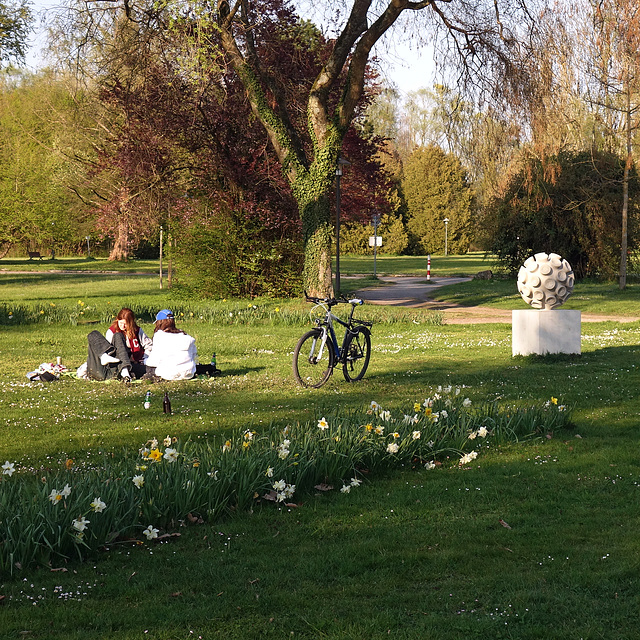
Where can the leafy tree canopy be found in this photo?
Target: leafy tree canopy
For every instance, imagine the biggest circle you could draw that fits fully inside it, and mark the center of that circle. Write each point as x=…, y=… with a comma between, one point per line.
x=435, y=187
x=15, y=25
x=568, y=204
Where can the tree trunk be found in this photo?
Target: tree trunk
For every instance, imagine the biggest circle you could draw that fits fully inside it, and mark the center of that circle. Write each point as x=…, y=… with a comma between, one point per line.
x=120, y=249
x=625, y=193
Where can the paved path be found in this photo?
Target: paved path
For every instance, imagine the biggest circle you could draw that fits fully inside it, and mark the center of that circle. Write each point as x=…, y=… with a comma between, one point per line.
x=414, y=291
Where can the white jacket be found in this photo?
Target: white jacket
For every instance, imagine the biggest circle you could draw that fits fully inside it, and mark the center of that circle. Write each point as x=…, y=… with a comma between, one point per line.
x=173, y=355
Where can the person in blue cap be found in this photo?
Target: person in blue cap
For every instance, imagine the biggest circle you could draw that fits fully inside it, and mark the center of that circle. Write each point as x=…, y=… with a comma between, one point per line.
x=174, y=352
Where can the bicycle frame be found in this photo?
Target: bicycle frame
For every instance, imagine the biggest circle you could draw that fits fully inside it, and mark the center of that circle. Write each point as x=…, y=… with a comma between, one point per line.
x=327, y=327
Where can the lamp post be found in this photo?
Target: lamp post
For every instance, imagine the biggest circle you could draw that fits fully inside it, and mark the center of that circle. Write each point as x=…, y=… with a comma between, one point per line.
x=341, y=163
x=88, y=247
x=446, y=235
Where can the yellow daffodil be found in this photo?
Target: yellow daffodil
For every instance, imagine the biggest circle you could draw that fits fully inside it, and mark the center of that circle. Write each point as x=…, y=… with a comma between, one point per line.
x=554, y=400
x=155, y=455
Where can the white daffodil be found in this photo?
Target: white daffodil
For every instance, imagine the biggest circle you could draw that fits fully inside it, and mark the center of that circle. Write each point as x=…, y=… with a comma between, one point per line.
x=167, y=441
x=385, y=415
x=392, y=447
x=466, y=459
x=170, y=455
x=80, y=524
x=55, y=496
x=269, y=472
x=279, y=485
x=416, y=435
x=8, y=468
x=323, y=424
x=345, y=488
x=150, y=532
x=483, y=432
x=66, y=492
x=466, y=402
x=138, y=481
x=355, y=482
x=97, y=505
x=430, y=465
x=374, y=406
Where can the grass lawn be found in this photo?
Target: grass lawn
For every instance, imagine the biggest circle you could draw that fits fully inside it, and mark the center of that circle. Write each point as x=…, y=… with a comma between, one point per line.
x=533, y=540
x=468, y=264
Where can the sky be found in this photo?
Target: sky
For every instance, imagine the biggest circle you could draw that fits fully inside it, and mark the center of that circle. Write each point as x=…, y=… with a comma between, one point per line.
x=400, y=64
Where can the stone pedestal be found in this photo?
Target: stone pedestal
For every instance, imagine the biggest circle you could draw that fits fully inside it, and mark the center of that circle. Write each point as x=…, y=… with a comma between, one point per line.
x=543, y=332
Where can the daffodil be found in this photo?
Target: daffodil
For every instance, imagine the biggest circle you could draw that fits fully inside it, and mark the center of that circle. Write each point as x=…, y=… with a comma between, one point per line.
x=379, y=430
x=395, y=434
x=97, y=505
x=385, y=415
x=355, y=482
x=150, y=532
x=279, y=485
x=323, y=424
x=374, y=406
x=8, y=468
x=368, y=427
x=483, y=432
x=138, y=481
x=226, y=446
x=80, y=524
x=466, y=402
x=55, y=496
x=170, y=455
x=392, y=447
x=430, y=465
x=554, y=400
x=167, y=441
x=269, y=472
x=416, y=435
x=468, y=457
x=155, y=455
x=416, y=407
x=345, y=488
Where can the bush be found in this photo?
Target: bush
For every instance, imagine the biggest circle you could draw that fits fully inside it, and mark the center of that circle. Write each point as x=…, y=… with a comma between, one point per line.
x=569, y=204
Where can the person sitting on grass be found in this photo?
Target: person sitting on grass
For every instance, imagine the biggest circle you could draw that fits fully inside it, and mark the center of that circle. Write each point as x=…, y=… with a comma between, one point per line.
x=174, y=352
x=138, y=343
x=121, y=353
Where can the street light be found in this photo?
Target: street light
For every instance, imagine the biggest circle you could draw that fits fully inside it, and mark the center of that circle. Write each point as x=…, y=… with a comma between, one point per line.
x=446, y=235
x=341, y=163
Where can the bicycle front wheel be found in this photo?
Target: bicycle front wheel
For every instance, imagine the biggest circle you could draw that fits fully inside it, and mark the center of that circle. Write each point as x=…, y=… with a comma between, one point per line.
x=313, y=364
x=357, y=351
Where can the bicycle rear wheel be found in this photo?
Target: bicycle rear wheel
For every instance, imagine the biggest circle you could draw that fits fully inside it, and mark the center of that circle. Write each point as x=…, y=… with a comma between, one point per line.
x=310, y=368
x=357, y=351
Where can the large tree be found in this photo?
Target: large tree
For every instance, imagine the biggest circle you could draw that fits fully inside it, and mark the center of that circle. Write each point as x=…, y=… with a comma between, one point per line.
x=436, y=188
x=15, y=25
x=487, y=38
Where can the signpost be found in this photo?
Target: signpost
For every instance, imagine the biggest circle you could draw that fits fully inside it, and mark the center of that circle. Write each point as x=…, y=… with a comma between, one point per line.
x=375, y=240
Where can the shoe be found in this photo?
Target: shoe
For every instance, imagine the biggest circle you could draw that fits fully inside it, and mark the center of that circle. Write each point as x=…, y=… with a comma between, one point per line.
x=106, y=359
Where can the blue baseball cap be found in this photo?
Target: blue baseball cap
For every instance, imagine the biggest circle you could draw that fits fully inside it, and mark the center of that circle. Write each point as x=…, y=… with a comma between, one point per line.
x=165, y=314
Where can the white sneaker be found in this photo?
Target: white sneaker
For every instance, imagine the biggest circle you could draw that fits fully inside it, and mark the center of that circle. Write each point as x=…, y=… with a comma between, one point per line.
x=105, y=359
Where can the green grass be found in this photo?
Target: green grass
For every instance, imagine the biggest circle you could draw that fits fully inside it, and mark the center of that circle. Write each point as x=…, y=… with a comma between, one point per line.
x=604, y=298
x=81, y=264
x=468, y=264
x=410, y=554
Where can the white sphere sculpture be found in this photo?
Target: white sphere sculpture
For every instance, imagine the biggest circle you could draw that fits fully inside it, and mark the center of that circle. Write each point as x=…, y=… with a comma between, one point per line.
x=545, y=281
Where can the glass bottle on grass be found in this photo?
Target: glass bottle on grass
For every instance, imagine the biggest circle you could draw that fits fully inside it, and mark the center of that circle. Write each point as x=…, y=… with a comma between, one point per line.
x=166, y=404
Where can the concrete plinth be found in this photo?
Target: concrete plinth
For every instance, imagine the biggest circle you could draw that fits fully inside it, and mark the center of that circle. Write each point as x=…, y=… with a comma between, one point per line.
x=543, y=332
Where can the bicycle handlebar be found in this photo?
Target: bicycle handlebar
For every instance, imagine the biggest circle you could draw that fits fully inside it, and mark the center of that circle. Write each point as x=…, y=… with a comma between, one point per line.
x=331, y=302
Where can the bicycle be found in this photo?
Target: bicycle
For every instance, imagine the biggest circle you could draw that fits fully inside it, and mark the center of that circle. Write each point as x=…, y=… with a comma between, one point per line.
x=317, y=352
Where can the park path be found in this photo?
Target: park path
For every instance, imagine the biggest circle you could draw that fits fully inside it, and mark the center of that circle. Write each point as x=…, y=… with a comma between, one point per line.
x=414, y=291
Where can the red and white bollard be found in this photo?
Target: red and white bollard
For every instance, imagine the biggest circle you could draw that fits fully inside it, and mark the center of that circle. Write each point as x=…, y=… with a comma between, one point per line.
x=429, y=267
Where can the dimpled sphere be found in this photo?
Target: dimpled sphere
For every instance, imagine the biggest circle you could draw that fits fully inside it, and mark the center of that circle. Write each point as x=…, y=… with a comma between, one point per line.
x=545, y=281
